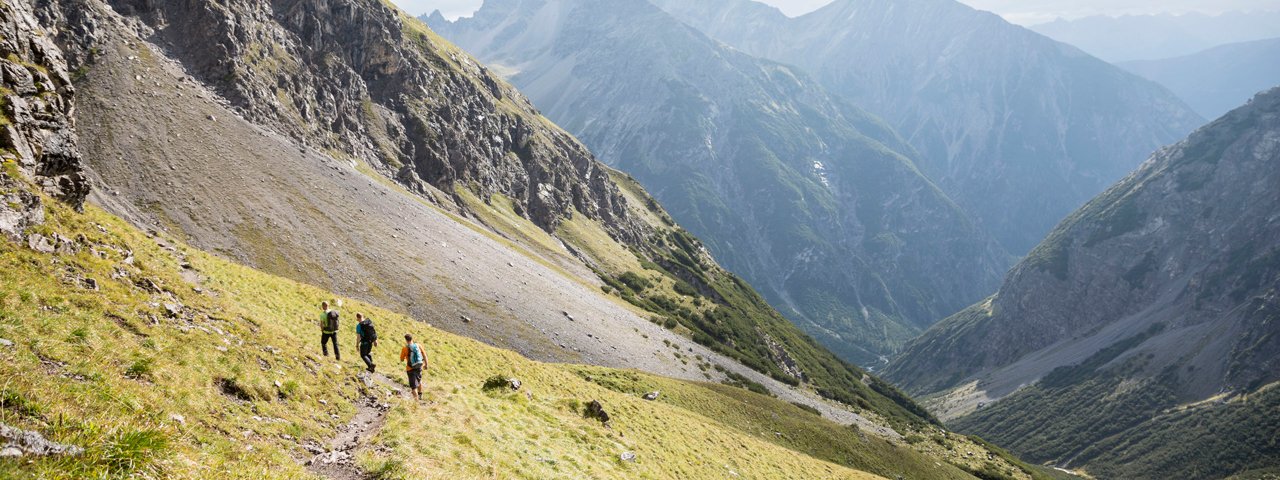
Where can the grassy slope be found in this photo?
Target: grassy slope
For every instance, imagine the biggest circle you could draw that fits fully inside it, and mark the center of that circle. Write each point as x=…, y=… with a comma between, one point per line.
x=113, y=369
x=795, y=427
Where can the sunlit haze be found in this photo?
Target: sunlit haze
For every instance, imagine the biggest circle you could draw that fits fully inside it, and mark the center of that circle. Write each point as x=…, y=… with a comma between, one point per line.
x=1024, y=12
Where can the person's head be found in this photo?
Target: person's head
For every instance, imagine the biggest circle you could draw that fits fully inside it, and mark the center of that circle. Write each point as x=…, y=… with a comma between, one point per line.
x=324, y=305
x=359, y=317
x=408, y=338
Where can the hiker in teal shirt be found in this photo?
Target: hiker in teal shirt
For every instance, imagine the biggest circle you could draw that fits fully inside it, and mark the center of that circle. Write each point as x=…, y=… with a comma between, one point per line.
x=367, y=335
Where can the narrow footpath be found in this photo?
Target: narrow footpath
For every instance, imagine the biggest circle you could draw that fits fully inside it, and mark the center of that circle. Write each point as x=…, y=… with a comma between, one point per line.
x=337, y=460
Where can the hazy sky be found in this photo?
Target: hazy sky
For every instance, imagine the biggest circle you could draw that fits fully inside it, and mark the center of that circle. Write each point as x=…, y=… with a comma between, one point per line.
x=1018, y=11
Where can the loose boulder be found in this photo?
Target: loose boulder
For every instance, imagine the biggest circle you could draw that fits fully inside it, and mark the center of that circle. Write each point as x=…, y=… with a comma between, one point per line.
x=596, y=410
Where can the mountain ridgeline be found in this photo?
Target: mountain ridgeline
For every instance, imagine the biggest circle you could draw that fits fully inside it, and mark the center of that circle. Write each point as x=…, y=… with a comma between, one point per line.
x=346, y=145
x=1019, y=129
x=1216, y=80
x=1136, y=338
x=815, y=202
x=1131, y=38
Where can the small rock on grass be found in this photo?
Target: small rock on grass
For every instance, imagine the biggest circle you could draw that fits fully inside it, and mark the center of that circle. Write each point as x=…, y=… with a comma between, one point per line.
x=40, y=243
x=18, y=442
x=628, y=456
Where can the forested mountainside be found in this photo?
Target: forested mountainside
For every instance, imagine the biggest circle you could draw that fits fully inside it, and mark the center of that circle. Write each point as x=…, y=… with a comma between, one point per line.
x=815, y=202
x=1019, y=129
x=1138, y=335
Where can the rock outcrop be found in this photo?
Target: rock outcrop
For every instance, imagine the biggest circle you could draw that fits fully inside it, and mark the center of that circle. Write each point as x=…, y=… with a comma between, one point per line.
x=37, y=134
x=359, y=80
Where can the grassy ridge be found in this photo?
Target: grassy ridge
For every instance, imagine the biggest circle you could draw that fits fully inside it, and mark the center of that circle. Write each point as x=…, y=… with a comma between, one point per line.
x=226, y=382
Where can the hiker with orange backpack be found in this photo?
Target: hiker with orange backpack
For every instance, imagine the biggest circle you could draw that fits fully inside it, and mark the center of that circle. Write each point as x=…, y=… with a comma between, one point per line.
x=415, y=359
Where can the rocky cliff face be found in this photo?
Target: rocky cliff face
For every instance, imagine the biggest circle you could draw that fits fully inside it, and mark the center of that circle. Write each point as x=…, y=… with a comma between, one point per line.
x=1160, y=292
x=815, y=202
x=356, y=80
x=37, y=135
x=1018, y=129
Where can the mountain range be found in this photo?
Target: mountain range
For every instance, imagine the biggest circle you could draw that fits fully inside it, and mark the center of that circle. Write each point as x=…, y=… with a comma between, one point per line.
x=1128, y=38
x=1018, y=129
x=1216, y=80
x=1136, y=338
x=812, y=200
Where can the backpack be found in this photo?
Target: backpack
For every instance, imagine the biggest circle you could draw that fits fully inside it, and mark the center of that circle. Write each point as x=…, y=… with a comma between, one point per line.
x=367, y=333
x=416, y=358
x=331, y=322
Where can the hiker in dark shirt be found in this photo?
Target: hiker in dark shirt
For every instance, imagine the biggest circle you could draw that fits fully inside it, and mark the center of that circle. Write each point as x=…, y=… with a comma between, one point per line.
x=329, y=330
x=415, y=359
x=368, y=337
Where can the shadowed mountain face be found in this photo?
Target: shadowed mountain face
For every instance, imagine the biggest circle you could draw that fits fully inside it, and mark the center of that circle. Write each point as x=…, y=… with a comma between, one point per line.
x=1216, y=80
x=1160, y=292
x=1018, y=129
x=812, y=200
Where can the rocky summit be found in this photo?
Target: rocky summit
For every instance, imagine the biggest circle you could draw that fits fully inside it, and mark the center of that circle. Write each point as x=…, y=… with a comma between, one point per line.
x=815, y=202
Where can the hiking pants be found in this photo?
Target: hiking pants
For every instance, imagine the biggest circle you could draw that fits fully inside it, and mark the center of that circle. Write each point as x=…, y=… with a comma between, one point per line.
x=324, y=345
x=365, y=354
x=415, y=378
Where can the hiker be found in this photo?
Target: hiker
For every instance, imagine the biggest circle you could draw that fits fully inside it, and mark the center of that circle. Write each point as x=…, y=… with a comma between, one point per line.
x=329, y=330
x=368, y=337
x=415, y=359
